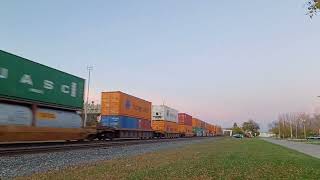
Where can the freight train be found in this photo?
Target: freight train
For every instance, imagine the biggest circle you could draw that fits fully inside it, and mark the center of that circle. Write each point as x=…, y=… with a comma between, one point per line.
x=39, y=103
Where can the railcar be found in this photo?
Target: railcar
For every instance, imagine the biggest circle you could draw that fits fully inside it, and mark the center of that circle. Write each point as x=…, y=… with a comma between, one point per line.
x=39, y=103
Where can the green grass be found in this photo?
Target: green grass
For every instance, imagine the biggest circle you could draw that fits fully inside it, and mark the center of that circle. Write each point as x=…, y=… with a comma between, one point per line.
x=216, y=159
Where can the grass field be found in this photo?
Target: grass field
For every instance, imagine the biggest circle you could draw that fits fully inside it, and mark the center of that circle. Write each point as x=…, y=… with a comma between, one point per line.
x=223, y=158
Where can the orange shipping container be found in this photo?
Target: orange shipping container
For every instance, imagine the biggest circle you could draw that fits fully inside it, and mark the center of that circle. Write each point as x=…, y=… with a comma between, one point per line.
x=215, y=129
x=120, y=104
x=202, y=124
x=165, y=126
x=206, y=126
x=196, y=122
x=185, y=129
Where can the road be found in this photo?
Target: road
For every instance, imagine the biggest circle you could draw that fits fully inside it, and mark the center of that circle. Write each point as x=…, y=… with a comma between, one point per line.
x=309, y=149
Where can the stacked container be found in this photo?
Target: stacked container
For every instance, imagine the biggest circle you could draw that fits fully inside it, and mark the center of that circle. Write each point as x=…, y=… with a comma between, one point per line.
x=196, y=127
x=39, y=103
x=123, y=111
x=164, y=119
x=211, y=130
x=206, y=129
x=218, y=130
x=185, y=124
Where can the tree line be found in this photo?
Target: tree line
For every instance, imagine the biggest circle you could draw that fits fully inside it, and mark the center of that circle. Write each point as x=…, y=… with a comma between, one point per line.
x=296, y=125
x=248, y=128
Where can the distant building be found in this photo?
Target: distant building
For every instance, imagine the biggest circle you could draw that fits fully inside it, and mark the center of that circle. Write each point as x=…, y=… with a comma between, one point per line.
x=267, y=134
x=227, y=132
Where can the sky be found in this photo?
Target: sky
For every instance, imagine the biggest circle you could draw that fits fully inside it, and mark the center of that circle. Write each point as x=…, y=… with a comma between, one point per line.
x=220, y=61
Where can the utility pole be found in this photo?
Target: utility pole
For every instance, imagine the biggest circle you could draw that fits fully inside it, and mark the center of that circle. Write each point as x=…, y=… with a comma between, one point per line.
x=89, y=68
x=304, y=128
x=297, y=129
x=284, y=128
x=279, y=128
x=291, y=128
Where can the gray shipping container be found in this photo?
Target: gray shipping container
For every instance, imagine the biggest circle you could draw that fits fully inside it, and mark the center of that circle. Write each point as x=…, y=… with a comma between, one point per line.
x=15, y=115
x=57, y=118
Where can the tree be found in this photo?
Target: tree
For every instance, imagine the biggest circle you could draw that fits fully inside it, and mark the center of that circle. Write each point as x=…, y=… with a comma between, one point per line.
x=235, y=125
x=294, y=125
x=236, y=129
x=251, y=127
x=313, y=7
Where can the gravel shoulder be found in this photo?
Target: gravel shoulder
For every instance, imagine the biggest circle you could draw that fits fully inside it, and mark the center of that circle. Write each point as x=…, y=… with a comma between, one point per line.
x=309, y=149
x=28, y=164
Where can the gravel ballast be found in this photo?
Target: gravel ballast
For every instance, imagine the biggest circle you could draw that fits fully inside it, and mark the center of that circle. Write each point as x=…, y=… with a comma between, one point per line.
x=27, y=164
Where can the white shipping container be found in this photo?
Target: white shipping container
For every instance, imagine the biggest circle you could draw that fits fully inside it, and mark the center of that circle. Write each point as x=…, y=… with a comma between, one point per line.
x=15, y=115
x=162, y=112
x=57, y=118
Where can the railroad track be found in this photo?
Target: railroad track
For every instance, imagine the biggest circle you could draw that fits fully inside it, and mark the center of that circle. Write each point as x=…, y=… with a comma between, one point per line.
x=11, y=150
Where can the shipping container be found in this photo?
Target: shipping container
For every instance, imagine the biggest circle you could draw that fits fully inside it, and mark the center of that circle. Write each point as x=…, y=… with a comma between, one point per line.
x=196, y=122
x=25, y=80
x=185, y=129
x=165, y=113
x=206, y=126
x=202, y=124
x=46, y=117
x=121, y=104
x=120, y=122
x=185, y=119
x=211, y=129
x=144, y=124
x=165, y=126
x=197, y=131
x=15, y=115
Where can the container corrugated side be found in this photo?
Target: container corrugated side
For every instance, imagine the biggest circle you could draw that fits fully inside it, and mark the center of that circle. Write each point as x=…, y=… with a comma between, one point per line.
x=15, y=115
x=196, y=122
x=165, y=126
x=144, y=124
x=46, y=117
x=22, y=79
x=121, y=104
x=202, y=124
x=185, y=129
x=119, y=122
x=165, y=113
x=185, y=119
x=197, y=131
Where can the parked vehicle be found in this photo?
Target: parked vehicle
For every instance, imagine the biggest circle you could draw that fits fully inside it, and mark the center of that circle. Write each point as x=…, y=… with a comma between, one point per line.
x=313, y=138
x=238, y=136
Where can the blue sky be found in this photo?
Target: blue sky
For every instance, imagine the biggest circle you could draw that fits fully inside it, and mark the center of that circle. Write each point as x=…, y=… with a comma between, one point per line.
x=221, y=61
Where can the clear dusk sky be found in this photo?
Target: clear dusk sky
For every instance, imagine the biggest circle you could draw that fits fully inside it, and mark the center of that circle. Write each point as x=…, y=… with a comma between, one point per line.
x=221, y=61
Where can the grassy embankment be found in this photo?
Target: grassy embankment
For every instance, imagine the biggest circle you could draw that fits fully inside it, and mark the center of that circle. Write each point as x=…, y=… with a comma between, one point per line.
x=216, y=159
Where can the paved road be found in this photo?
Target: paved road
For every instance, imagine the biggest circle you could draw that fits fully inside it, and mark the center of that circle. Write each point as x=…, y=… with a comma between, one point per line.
x=309, y=149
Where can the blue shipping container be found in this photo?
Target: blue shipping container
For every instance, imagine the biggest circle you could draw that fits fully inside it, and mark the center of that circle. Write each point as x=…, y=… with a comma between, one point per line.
x=120, y=122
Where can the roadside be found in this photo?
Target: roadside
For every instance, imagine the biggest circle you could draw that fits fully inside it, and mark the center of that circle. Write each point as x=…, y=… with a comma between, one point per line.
x=223, y=158
x=309, y=149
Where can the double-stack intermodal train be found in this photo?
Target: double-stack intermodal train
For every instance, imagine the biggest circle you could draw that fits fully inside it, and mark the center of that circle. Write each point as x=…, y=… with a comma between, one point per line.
x=39, y=103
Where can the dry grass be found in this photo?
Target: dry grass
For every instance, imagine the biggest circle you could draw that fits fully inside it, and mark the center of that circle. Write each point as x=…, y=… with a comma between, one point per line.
x=217, y=159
